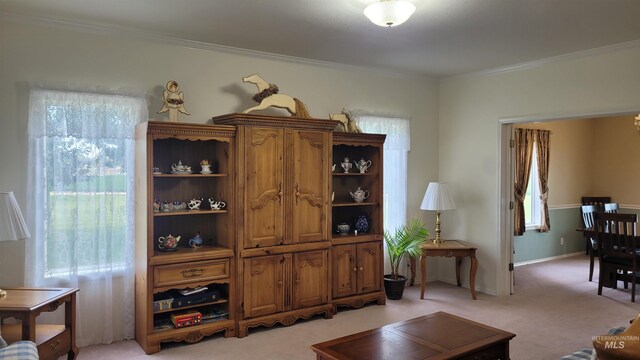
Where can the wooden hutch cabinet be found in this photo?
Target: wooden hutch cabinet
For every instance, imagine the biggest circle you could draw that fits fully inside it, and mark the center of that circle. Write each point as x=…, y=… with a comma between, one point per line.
x=357, y=257
x=282, y=197
x=271, y=255
x=161, y=197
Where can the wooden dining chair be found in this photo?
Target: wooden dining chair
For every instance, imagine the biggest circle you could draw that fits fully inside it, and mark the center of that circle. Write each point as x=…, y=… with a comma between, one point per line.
x=599, y=202
x=611, y=207
x=589, y=223
x=618, y=250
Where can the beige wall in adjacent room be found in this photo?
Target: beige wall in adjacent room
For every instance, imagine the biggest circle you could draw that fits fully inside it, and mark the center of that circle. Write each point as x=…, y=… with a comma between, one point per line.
x=616, y=162
x=58, y=55
x=571, y=147
x=471, y=107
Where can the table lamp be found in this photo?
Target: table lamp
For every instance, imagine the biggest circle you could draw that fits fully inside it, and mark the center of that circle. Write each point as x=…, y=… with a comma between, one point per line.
x=438, y=198
x=12, y=226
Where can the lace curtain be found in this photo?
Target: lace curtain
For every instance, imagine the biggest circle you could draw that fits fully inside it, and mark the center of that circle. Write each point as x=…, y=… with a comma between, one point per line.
x=396, y=147
x=81, y=156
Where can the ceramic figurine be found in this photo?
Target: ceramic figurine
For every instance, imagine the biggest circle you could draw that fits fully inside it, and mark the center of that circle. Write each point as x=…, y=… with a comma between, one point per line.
x=168, y=243
x=196, y=241
x=216, y=205
x=173, y=101
x=359, y=195
x=362, y=224
x=268, y=96
x=346, y=165
x=194, y=204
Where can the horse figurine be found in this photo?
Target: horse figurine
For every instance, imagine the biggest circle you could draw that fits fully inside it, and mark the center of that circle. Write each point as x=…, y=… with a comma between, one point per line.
x=268, y=96
x=346, y=122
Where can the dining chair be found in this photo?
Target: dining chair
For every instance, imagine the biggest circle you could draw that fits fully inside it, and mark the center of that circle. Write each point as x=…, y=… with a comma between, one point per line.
x=589, y=223
x=598, y=201
x=611, y=207
x=618, y=250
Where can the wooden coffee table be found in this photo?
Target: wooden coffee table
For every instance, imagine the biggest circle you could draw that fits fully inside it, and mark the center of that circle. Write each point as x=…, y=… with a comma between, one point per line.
x=435, y=337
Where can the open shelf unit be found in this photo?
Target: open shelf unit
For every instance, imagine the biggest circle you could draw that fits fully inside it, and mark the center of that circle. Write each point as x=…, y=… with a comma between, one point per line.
x=159, y=272
x=357, y=257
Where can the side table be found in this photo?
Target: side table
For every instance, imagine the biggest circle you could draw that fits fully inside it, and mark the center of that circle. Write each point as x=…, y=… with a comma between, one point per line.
x=450, y=248
x=25, y=304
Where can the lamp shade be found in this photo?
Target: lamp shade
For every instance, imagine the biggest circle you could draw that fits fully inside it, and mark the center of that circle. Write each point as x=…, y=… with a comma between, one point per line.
x=437, y=197
x=12, y=226
x=389, y=12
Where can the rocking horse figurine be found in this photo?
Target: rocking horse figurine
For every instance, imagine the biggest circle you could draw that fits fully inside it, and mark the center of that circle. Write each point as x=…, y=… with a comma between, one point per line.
x=347, y=124
x=268, y=96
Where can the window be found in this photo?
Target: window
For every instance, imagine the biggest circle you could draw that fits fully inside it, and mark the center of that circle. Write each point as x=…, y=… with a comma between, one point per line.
x=532, y=211
x=81, y=154
x=396, y=148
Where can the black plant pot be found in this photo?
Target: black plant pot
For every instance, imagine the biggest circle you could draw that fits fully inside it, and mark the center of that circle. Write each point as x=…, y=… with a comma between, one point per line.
x=394, y=287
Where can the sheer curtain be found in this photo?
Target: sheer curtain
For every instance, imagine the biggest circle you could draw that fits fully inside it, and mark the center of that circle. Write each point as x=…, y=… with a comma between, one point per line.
x=81, y=155
x=396, y=147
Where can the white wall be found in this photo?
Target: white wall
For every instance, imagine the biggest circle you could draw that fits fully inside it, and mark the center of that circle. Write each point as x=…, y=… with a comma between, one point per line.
x=211, y=81
x=470, y=108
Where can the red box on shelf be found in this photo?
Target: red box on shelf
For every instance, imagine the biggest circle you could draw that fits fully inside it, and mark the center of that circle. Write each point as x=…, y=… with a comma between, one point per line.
x=187, y=319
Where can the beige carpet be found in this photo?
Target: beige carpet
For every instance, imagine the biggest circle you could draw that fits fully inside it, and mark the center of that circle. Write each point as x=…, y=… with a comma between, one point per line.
x=554, y=311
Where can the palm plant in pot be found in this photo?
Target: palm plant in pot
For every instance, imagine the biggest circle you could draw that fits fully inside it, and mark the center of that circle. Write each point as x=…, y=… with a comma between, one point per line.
x=405, y=240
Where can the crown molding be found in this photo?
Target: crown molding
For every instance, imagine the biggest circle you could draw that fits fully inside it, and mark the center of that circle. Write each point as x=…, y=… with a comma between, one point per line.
x=635, y=44
x=138, y=34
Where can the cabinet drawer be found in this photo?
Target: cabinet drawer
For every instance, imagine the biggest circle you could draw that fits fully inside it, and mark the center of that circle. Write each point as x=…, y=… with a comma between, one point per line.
x=176, y=274
x=55, y=347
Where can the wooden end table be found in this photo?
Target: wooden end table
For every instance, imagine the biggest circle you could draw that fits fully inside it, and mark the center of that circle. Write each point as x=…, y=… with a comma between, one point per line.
x=436, y=336
x=449, y=248
x=25, y=304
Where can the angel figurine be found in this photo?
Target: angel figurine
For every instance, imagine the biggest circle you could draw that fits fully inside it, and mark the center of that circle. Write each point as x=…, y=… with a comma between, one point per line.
x=173, y=101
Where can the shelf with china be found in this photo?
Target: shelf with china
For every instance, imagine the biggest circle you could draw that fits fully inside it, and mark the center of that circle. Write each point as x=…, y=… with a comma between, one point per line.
x=356, y=215
x=187, y=242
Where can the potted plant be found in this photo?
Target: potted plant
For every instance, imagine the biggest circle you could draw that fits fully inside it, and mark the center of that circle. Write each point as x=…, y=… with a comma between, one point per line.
x=406, y=240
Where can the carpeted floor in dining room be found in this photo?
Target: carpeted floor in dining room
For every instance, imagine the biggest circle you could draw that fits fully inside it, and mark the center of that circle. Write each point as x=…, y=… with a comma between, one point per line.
x=555, y=310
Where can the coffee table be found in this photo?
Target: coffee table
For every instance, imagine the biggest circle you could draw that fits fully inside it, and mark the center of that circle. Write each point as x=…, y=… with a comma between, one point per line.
x=435, y=336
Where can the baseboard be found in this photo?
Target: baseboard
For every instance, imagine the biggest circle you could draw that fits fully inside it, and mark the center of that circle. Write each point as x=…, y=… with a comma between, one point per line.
x=548, y=258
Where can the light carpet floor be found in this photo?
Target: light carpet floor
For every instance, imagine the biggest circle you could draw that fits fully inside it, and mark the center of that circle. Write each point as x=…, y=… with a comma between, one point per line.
x=555, y=310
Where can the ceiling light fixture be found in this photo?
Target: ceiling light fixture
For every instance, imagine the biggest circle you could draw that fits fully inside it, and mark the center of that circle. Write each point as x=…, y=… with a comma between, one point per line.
x=389, y=12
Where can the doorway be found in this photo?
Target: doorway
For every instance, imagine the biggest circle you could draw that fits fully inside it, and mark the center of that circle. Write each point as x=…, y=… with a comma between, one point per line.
x=506, y=176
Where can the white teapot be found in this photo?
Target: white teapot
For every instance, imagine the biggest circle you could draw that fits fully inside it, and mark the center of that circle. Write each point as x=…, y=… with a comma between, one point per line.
x=179, y=167
x=359, y=195
x=362, y=165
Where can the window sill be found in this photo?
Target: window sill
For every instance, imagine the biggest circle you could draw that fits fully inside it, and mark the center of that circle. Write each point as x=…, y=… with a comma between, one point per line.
x=533, y=227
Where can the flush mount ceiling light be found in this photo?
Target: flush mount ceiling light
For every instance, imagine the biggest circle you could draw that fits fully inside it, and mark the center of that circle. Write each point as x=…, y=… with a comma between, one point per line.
x=389, y=12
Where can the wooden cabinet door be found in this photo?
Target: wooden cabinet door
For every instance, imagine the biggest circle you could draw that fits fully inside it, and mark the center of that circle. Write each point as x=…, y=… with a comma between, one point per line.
x=310, y=278
x=264, y=198
x=310, y=185
x=344, y=270
x=369, y=270
x=263, y=285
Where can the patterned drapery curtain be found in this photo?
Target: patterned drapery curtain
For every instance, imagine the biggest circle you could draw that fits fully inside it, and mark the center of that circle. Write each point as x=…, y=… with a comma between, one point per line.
x=524, y=139
x=542, y=141
x=81, y=181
